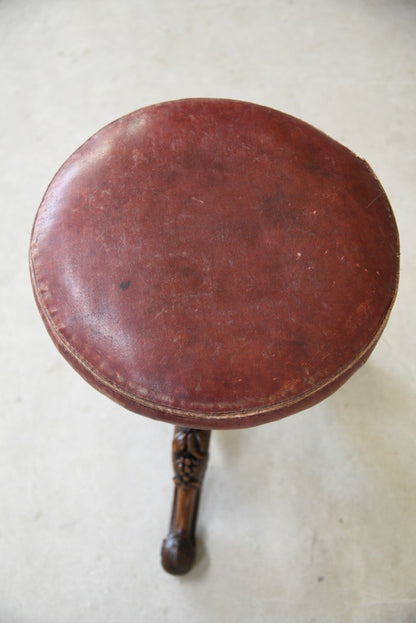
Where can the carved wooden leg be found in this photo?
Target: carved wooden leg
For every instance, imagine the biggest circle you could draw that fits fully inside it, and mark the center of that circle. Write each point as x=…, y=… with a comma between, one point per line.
x=190, y=457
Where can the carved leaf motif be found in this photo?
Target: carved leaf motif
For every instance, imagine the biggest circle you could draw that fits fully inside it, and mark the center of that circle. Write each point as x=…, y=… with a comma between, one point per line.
x=179, y=440
x=190, y=455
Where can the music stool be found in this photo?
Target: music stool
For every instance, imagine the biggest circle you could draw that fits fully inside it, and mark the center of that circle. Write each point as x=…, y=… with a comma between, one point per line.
x=214, y=264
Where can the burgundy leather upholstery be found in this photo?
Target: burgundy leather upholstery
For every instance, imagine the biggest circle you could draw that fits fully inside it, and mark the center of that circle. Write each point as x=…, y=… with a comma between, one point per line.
x=214, y=263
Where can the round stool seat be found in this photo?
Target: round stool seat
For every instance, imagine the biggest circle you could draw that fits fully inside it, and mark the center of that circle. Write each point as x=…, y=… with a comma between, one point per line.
x=214, y=263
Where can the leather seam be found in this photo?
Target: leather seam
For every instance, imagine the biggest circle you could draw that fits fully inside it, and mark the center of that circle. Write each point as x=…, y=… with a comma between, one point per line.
x=193, y=413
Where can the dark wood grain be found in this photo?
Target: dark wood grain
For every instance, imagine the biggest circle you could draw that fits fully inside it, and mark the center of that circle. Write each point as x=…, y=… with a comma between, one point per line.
x=190, y=457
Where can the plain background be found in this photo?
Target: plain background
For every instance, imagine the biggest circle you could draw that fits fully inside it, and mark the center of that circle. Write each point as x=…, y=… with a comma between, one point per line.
x=310, y=519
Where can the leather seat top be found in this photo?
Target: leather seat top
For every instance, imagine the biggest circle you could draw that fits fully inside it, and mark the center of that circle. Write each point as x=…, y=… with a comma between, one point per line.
x=214, y=263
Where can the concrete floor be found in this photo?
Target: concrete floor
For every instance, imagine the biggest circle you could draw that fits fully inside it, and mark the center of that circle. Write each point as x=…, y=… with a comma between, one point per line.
x=310, y=519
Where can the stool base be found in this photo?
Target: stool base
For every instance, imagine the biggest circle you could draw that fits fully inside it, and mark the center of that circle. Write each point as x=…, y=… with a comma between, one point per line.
x=190, y=458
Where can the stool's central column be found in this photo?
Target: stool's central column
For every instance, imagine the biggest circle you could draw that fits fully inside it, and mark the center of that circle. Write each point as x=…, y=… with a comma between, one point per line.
x=190, y=457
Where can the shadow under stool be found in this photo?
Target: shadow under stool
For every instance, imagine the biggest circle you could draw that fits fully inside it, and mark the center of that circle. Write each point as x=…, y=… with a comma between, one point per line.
x=214, y=264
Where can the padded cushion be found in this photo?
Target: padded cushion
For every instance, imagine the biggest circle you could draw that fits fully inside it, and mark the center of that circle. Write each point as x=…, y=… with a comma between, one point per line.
x=214, y=263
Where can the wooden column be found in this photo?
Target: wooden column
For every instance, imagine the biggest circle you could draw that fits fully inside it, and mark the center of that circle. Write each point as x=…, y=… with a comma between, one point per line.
x=190, y=457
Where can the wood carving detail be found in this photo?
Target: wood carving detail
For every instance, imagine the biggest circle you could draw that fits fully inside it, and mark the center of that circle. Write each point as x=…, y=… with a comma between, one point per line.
x=190, y=456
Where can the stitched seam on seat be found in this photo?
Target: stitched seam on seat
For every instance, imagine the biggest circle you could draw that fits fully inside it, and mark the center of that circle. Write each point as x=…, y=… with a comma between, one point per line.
x=200, y=414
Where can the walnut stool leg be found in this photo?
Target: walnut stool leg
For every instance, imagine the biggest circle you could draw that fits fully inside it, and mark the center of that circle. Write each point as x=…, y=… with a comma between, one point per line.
x=190, y=457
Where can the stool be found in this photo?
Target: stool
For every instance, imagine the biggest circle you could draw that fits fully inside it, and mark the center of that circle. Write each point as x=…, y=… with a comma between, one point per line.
x=214, y=264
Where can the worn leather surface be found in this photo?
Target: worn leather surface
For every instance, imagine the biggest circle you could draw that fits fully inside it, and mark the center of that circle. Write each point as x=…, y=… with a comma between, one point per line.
x=214, y=263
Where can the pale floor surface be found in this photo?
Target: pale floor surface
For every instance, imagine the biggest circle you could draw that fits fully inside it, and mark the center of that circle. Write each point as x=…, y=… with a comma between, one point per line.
x=311, y=519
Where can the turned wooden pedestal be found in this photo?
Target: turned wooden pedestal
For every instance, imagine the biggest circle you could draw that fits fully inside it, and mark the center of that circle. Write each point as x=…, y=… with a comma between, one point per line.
x=213, y=264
